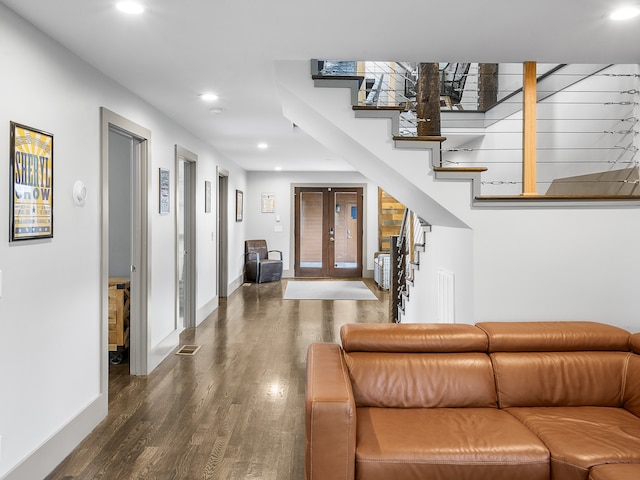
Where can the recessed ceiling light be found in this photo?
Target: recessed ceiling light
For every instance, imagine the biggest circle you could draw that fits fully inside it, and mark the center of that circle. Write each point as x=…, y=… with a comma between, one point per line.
x=263, y=145
x=132, y=8
x=277, y=169
x=625, y=13
x=209, y=97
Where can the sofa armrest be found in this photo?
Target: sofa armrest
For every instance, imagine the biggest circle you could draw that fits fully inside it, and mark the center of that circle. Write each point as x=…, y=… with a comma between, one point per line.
x=330, y=415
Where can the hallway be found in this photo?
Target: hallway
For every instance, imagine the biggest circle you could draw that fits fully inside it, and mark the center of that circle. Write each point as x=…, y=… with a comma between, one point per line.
x=233, y=411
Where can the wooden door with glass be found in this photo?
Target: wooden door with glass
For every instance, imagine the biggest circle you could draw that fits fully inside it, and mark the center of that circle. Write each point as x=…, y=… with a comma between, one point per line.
x=328, y=232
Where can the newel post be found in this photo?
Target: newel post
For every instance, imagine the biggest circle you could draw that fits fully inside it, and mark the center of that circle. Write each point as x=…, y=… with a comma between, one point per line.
x=529, y=86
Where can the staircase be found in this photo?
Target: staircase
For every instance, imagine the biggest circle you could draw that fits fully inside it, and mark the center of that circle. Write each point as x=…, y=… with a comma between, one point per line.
x=488, y=246
x=472, y=135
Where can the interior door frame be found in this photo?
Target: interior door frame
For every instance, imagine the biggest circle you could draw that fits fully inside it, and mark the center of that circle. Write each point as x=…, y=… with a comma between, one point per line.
x=328, y=271
x=191, y=285
x=223, y=228
x=139, y=328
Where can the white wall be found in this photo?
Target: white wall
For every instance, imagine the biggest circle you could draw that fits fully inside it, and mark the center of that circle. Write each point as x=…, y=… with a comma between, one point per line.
x=557, y=264
x=50, y=325
x=262, y=225
x=449, y=249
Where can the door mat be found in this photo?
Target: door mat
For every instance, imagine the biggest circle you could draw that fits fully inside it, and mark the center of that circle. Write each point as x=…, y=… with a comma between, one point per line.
x=328, y=290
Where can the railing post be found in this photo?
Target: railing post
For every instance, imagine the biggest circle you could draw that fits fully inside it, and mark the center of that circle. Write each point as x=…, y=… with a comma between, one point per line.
x=487, y=85
x=428, y=100
x=394, y=283
x=530, y=98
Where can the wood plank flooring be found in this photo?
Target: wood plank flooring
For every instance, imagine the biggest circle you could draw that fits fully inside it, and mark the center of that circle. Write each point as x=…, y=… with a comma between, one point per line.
x=233, y=411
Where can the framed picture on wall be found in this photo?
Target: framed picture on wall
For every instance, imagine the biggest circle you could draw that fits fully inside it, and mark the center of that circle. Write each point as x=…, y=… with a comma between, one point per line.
x=31, y=185
x=239, y=206
x=164, y=191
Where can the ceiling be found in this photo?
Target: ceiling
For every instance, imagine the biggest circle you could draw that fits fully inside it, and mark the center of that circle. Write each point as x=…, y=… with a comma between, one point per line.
x=178, y=50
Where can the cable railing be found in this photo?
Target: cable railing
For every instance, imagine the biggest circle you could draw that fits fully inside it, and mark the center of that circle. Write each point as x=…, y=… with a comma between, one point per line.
x=404, y=259
x=587, y=121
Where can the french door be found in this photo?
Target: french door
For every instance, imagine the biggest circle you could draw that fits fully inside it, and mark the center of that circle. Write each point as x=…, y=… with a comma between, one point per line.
x=328, y=232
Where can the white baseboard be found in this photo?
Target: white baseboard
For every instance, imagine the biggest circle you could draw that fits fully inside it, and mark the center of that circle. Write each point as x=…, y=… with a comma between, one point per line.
x=48, y=456
x=161, y=351
x=235, y=284
x=206, y=310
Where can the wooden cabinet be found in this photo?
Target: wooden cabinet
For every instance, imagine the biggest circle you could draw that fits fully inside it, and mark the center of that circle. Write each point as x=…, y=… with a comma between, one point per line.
x=119, y=297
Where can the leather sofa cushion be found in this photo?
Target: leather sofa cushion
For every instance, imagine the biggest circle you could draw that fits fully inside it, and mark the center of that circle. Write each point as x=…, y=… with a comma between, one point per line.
x=427, y=380
x=446, y=444
x=554, y=336
x=634, y=342
x=554, y=379
x=580, y=437
x=414, y=338
x=621, y=471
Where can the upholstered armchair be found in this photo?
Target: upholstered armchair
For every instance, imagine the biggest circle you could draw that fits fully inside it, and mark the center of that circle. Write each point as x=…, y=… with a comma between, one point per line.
x=259, y=268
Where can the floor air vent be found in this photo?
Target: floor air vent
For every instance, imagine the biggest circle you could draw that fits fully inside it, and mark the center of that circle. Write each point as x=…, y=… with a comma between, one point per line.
x=189, y=350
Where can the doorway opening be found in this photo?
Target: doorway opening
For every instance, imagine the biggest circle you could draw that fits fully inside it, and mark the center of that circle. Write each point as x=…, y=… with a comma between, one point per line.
x=223, y=219
x=186, y=238
x=125, y=227
x=328, y=231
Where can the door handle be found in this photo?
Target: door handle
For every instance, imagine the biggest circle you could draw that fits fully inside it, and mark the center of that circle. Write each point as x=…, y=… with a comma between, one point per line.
x=331, y=239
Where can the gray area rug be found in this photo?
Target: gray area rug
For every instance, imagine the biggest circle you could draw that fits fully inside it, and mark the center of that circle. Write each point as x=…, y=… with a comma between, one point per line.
x=328, y=290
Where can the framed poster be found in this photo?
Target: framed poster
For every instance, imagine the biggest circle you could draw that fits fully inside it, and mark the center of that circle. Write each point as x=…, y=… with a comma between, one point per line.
x=31, y=183
x=239, y=206
x=207, y=196
x=164, y=191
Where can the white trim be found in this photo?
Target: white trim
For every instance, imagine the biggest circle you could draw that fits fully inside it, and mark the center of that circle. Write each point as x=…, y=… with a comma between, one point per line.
x=192, y=170
x=163, y=349
x=139, y=330
x=222, y=233
x=48, y=455
x=234, y=284
x=203, y=312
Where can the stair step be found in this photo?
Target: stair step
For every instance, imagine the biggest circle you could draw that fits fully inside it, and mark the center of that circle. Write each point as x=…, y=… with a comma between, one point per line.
x=372, y=111
x=552, y=198
x=460, y=169
x=430, y=138
x=432, y=143
x=340, y=81
x=394, y=108
x=338, y=77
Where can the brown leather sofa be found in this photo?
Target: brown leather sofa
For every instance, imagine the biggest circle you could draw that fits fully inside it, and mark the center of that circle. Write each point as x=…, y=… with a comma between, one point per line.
x=495, y=401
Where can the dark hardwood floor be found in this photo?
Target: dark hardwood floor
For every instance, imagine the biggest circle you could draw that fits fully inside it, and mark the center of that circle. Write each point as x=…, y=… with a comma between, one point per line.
x=233, y=411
